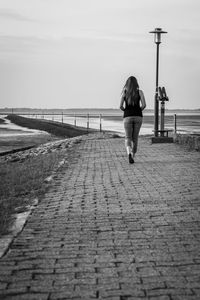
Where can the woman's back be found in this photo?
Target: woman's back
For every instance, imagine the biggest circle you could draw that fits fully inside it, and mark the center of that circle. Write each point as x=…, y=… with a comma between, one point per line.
x=132, y=106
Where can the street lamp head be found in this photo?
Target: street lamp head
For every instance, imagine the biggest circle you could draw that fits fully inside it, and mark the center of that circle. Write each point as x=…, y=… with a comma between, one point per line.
x=157, y=35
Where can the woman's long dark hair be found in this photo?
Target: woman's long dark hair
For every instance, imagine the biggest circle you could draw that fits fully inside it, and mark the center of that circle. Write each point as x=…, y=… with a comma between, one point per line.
x=130, y=88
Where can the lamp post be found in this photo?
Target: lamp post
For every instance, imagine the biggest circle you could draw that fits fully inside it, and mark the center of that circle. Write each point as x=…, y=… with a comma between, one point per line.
x=157, y=39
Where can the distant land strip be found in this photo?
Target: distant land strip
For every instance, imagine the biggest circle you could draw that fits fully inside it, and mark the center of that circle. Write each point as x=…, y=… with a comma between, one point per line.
x=52, y=127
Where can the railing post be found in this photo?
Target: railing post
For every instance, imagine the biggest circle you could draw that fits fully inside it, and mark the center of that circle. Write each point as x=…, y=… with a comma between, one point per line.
x=62, y=116
x=74, y=119
x=53, y=117
x=175, y=123
x=88, y=121
x=100, y=120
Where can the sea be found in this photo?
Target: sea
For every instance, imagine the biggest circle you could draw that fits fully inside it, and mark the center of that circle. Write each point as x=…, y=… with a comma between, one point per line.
x=187, y=121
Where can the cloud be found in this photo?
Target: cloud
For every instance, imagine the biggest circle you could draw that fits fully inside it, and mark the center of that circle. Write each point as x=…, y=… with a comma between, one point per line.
x=111, y=36
x=12, y=43
x=11, y=14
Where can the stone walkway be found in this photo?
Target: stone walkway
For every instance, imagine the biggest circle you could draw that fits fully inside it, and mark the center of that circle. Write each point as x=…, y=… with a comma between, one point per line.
x=110, y=230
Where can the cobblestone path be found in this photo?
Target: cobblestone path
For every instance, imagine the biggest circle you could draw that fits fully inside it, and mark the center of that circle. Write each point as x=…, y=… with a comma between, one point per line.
x=110, y=230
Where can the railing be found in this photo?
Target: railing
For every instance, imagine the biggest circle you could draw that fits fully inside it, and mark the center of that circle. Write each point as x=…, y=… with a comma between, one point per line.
x=59, y=117
x=112, y=121
x=87, y=117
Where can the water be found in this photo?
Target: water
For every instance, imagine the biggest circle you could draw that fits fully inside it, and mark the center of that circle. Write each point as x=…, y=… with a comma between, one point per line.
x=8, y=129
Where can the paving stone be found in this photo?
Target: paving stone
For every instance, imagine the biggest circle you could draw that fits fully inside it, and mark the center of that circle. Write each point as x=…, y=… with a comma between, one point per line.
x=3, y=285
x=165, y=297
x=27, y=296
x=184, y=297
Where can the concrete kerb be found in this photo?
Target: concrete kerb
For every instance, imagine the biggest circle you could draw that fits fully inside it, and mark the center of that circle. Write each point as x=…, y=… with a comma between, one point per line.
x=20, y=221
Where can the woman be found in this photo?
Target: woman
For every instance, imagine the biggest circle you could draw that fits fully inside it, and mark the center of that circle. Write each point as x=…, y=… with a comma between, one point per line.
x=132, y=104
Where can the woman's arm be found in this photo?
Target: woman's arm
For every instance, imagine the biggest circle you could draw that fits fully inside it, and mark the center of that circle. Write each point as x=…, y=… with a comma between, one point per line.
x=122, y=104
x=142, y=98
x=122, y=101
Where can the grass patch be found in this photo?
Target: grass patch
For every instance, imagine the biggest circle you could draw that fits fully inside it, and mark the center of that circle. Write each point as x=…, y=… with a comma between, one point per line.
x=9, y=143
x=55, y=128
x=22, y=182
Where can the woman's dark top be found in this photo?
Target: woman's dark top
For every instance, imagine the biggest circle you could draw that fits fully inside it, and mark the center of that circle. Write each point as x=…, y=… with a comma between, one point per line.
x=133, y=110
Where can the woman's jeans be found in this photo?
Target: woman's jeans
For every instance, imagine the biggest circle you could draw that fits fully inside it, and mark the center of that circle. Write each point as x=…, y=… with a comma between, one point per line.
x=132, y=127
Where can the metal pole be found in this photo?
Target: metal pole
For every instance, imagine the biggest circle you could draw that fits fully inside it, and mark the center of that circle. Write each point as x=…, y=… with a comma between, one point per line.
x=62, y=116
x=74, y=119
x=156, y=105
x=100, y=122
x=88, y=124
x=175, y=123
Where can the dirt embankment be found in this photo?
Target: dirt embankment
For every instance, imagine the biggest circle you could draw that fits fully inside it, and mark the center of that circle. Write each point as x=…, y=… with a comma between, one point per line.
x=52, y=127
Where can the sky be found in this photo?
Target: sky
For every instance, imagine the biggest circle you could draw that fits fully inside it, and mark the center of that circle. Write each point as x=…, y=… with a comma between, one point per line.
x=79, y=53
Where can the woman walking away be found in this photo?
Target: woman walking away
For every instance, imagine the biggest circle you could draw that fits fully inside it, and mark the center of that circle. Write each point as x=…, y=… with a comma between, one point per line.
x=132, y=104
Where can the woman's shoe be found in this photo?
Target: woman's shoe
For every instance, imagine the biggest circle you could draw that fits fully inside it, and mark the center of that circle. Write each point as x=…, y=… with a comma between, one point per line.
x=130, y=158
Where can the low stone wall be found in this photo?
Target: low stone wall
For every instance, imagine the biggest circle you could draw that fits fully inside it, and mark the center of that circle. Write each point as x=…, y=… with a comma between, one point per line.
x=192, y=141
